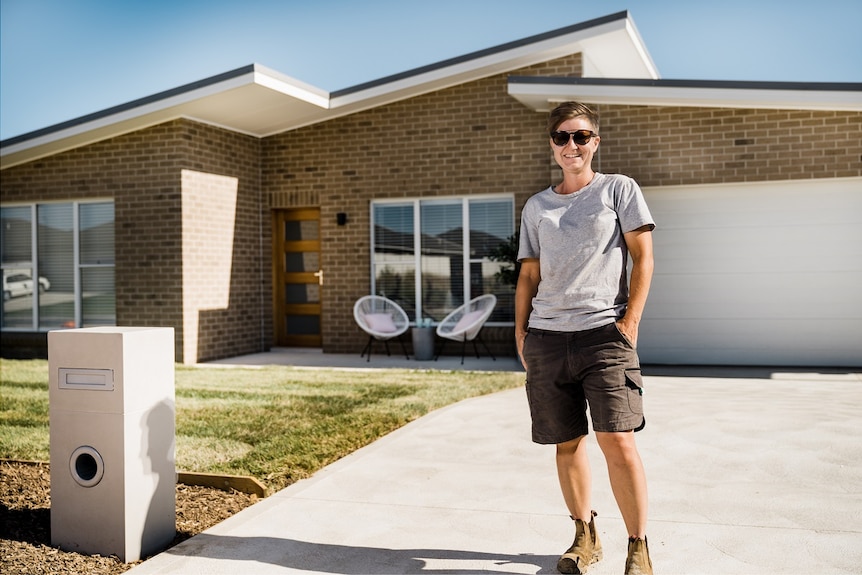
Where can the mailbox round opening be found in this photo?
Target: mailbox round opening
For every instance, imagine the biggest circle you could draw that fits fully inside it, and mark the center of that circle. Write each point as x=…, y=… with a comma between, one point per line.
x=87, y=466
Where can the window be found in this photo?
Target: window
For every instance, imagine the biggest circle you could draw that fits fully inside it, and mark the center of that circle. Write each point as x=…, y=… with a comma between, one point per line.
x=430, y=256
x=58, y=265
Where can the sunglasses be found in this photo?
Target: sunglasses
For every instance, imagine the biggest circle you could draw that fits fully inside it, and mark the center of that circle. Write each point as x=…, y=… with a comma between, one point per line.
x=580, y=137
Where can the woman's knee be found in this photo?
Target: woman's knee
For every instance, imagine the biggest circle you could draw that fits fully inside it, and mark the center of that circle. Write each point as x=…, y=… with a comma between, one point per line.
x=618, y=447
x=571, y=446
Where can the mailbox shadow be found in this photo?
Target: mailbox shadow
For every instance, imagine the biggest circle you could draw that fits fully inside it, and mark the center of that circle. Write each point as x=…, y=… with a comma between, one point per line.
x=158, y=453
x=348, y=560
x=31, y=526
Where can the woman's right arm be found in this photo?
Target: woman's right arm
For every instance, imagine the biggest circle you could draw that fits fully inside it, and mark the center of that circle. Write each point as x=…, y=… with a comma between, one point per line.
x=525, y=291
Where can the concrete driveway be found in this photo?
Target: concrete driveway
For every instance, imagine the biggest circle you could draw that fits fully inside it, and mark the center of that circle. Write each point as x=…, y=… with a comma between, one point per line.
x=751, y=471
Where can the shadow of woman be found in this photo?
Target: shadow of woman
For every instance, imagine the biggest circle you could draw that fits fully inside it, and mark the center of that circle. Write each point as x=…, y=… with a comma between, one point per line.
x=349, y=560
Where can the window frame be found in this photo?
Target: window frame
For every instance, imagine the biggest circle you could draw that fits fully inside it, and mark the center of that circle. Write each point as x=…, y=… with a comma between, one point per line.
x=467, y=259
x=35, y=326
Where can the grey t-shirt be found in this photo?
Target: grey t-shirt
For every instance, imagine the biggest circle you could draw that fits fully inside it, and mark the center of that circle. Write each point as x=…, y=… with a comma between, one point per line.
x=578, y=239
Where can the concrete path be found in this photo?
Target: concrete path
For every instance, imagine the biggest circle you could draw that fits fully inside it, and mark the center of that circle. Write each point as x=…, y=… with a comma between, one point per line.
x=751, y=471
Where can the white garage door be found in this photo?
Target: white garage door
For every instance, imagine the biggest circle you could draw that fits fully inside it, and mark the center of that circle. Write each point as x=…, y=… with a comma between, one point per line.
x=756, y=274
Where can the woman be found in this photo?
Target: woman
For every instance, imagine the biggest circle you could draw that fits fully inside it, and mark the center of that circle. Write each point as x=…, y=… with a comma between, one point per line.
x=576, y=328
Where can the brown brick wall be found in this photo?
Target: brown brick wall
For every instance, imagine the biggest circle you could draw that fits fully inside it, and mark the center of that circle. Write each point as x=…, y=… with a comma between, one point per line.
x=470, y=139
x=476, y=139
x=234, y=319
x=678, y=146
x=142, y=173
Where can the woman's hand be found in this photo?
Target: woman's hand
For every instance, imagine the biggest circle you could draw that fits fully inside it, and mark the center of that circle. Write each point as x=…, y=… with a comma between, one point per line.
x=520, y=336
x=528, y=284
x=629, y=329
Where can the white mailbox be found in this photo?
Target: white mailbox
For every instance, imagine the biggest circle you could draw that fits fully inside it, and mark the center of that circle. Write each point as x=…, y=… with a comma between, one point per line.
x=112, y=428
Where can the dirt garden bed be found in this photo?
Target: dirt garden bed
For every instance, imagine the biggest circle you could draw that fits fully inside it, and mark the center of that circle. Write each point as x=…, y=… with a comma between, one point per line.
x=25, y=522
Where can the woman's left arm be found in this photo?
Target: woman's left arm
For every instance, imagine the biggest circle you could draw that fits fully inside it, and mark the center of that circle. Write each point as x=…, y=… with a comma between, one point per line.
x=639, y=243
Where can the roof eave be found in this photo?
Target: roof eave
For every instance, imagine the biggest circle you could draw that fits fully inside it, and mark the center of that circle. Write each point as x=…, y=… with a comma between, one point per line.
x=615, y=33
x=209, y=101
x=259, y=102
x=542, y=94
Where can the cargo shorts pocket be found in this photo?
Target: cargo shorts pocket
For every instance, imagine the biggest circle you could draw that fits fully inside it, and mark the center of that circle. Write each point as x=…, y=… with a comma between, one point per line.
x=634, y=383
x=622, y=336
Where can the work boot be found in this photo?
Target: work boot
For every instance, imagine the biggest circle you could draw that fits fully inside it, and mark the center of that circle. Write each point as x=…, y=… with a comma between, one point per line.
x=585, y=550
x=638, y=561
x=597, y=544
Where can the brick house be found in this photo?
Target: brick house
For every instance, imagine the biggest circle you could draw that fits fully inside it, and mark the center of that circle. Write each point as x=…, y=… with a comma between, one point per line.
x=249, y=210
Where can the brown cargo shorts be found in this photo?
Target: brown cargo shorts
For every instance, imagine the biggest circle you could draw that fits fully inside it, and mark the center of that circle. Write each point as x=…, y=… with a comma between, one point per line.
x=567, y=372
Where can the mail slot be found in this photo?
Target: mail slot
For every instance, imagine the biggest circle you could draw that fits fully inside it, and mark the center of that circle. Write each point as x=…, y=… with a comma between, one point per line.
x=92, y=379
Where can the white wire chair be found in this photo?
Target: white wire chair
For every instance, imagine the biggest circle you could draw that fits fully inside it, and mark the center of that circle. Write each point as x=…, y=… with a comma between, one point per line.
x=382, y=319
x=465, y=324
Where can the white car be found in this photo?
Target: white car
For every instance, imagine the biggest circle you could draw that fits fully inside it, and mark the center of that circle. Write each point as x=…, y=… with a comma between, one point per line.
x=20, y=283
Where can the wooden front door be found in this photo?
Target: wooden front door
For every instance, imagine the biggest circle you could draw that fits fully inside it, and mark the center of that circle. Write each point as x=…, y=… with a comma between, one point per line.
x=297, y=277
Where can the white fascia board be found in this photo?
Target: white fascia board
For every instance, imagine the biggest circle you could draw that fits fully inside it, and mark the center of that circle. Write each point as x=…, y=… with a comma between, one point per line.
x=160, y=110
x=136, y=118
x=427, y=83
x=291, y=87
x=72, y=138
x=618, y=54
x=638, y=44
x=470, y=69
x=186, y=104
x=442, y=78
x=543, y=97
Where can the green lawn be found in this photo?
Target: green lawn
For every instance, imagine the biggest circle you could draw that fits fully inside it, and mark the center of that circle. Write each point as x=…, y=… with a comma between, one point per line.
x=277, y=424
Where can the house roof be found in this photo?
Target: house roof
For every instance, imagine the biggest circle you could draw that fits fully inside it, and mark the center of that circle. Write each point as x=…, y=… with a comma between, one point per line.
x=542, y=94
x=260, y=102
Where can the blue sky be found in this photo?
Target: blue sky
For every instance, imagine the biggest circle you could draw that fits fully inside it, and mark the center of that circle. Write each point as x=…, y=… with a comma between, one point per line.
x=62, y=59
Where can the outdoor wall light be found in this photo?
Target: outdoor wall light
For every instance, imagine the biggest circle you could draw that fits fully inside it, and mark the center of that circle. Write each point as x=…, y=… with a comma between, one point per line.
x=341, y=218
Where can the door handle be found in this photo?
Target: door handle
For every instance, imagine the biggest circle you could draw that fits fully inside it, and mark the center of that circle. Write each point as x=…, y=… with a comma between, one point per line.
x=319, y=275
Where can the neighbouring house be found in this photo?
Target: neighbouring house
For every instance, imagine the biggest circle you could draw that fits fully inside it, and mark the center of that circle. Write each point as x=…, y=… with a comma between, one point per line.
x=250, y=210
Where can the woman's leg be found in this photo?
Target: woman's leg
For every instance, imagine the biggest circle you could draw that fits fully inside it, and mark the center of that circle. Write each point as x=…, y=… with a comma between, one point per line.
x=627, y=477
x=573, y=470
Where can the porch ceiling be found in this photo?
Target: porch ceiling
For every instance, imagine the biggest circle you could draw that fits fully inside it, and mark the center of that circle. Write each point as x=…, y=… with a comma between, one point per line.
x=260, y=102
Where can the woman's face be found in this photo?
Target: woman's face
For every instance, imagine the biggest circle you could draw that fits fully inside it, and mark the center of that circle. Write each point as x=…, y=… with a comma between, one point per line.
x=572, y=157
